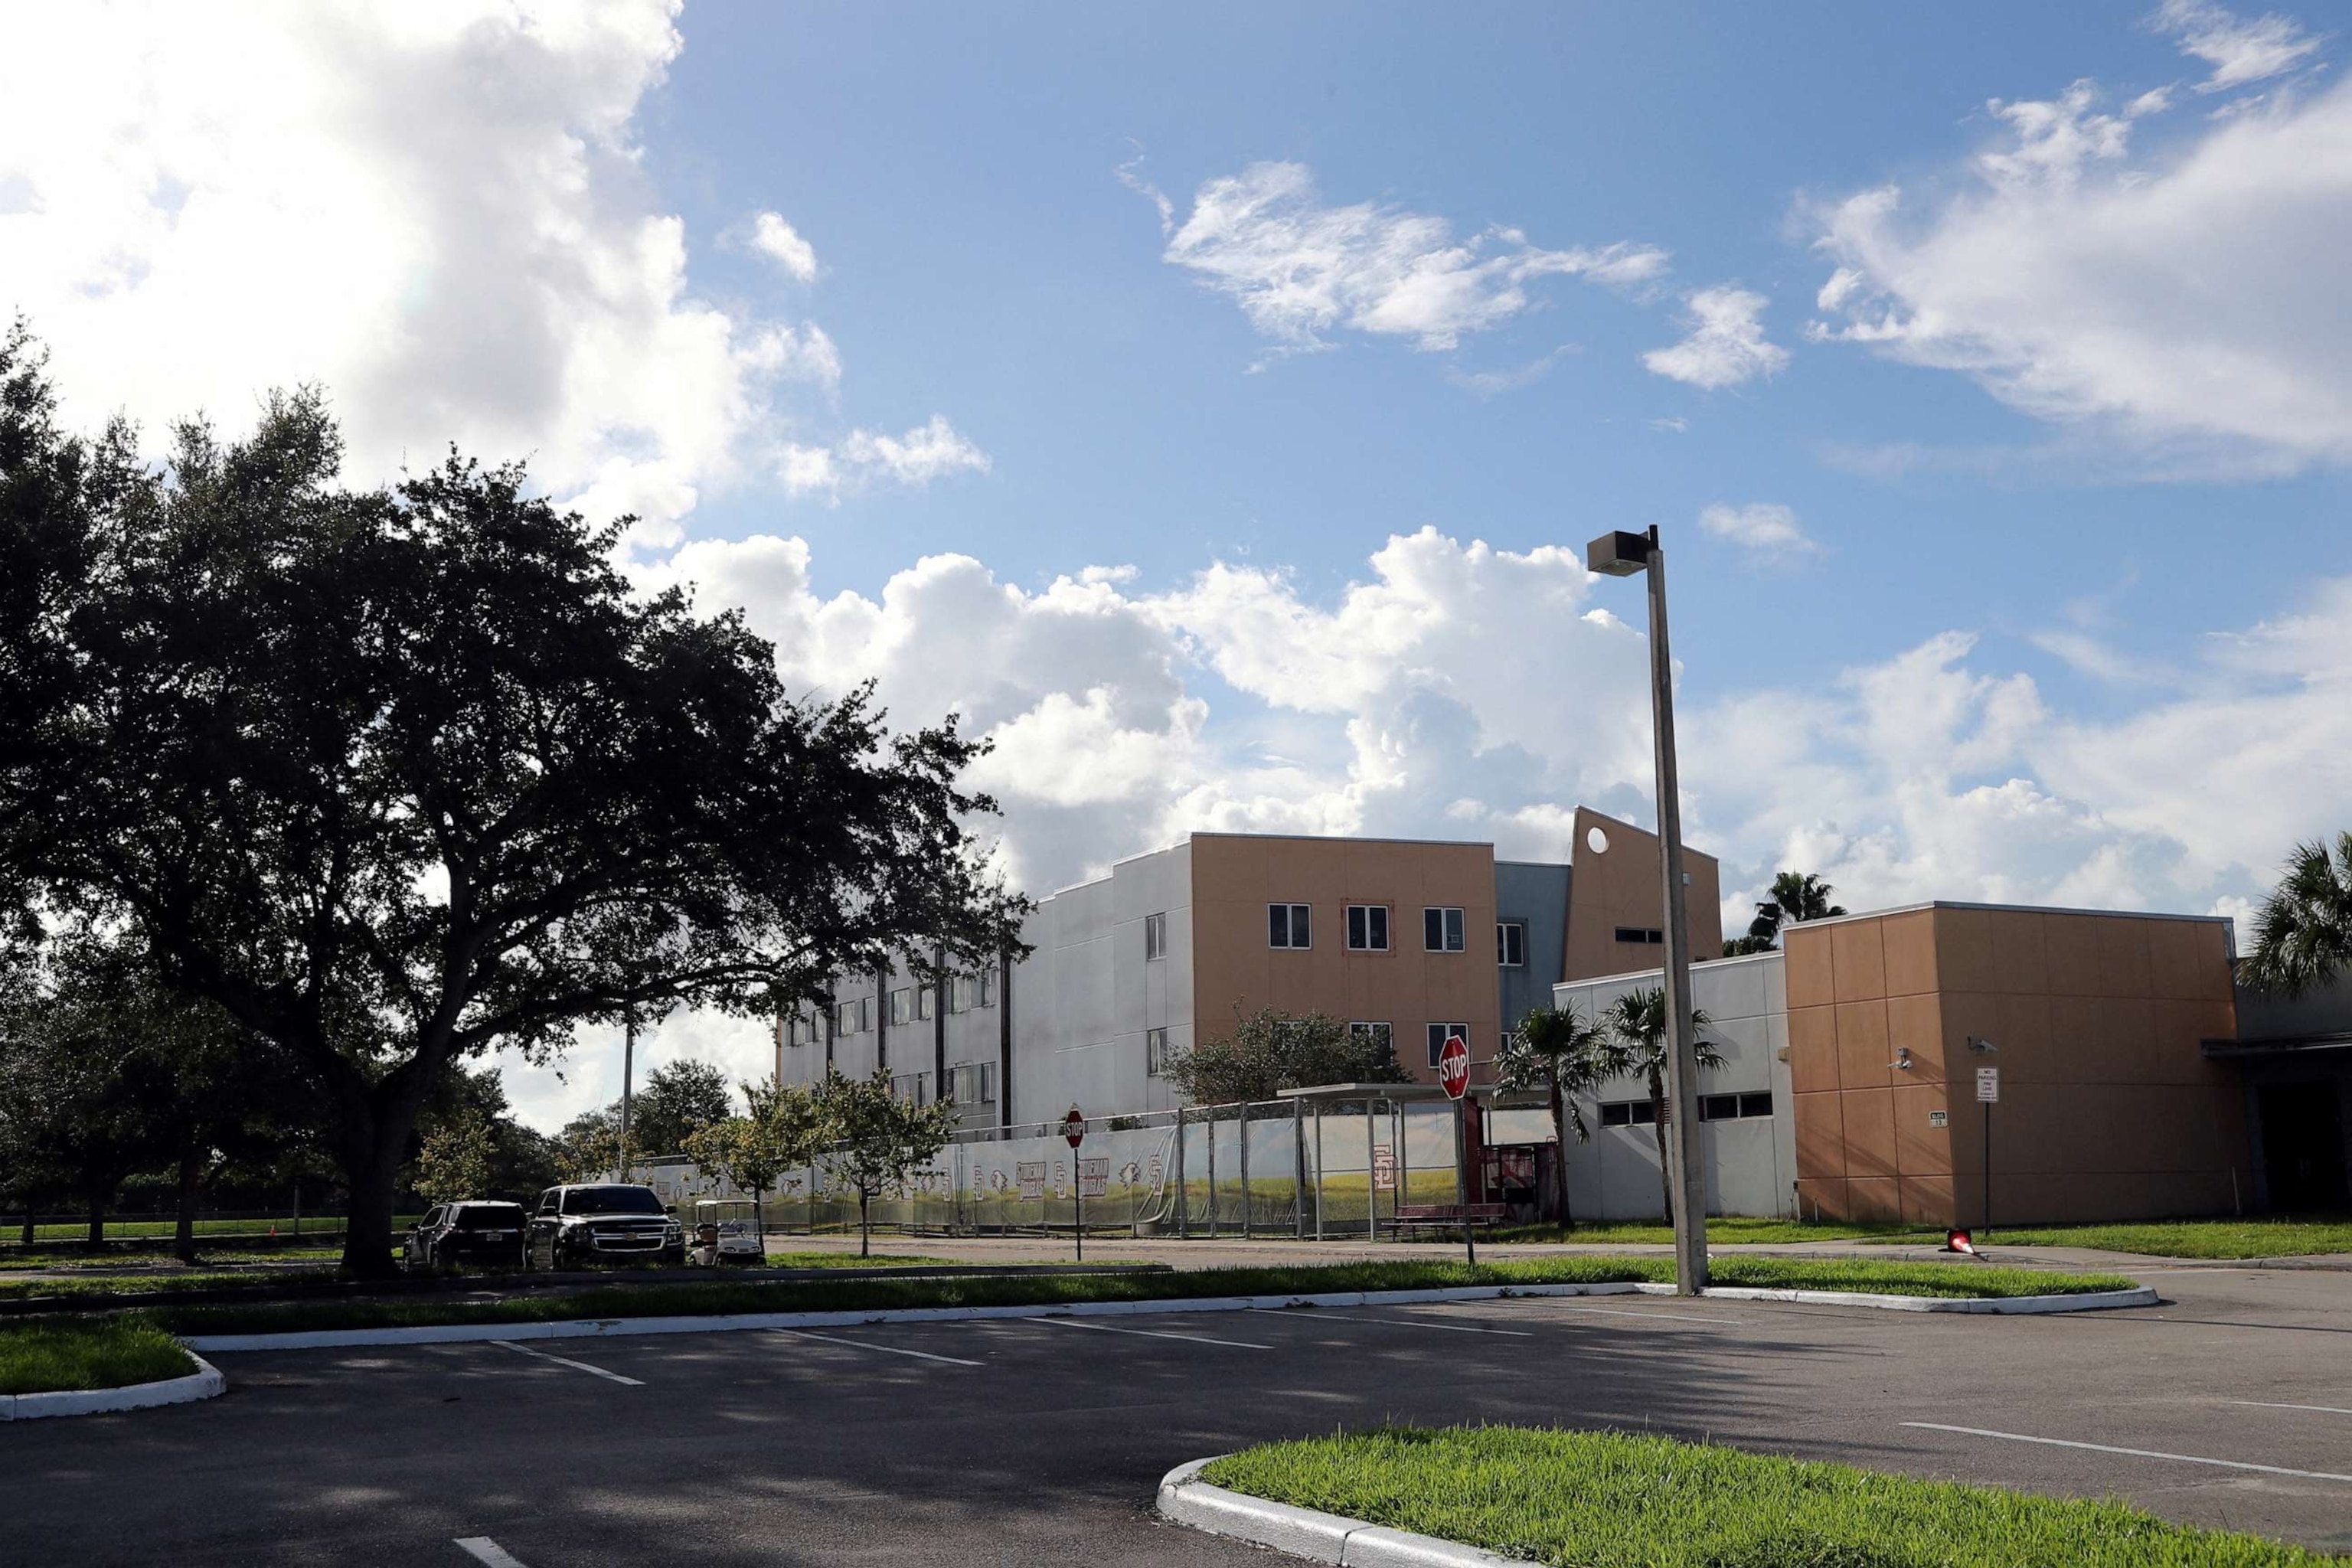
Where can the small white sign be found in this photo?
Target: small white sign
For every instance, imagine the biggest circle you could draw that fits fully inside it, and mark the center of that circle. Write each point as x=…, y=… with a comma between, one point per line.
x=1989, y=1085
x=1939, y=1119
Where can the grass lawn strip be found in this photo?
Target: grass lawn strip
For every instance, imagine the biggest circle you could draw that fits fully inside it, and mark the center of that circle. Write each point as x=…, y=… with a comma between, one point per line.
x=1956, y=1280
x=2208, y=1238
x=1593, y=1497
x=44, y=1355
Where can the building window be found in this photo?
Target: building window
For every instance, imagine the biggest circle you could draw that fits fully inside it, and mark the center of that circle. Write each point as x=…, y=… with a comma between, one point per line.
x=1511, y=943
x=1368, y=927
x=1651, y=935
x=1628, y=1113
x=1442, y=931
x=1155, y=1052
x=914, y=1088
x=1734, y=1107
x=1381, y=1033
x=966, y=991
x=844, y=1018
x=1155, y=937
x=902, y=1006
x=925, y=1001
x=1438, y=1034
x=866, y=1012
x=1287, y=925
x=975, y=1083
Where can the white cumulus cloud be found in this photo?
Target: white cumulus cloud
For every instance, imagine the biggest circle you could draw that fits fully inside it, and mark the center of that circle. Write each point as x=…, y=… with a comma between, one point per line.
x=1765, y=528
x=2185, y=307
x=927, y=452
x=780, y=243
x=2241, y=49
x=1299, y=268
x=1725, y=344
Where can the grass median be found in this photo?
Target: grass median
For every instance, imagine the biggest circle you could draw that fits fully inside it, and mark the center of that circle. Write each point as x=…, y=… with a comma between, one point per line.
x=1583, y=1498
x=1959, y=1280
x=43, y=1355
x=2216, y=1239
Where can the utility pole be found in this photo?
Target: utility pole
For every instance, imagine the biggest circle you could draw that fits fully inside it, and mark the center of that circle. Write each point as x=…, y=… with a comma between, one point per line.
x=628, y=1076
x=1621, y=554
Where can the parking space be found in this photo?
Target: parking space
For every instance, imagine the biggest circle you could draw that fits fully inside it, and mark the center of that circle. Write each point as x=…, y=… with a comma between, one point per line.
x=1028, y=1439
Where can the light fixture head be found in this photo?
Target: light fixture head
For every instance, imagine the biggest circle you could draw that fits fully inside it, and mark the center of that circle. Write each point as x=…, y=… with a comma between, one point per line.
x=1619, y=553
x=1982, y=1047
x=1902, y=1062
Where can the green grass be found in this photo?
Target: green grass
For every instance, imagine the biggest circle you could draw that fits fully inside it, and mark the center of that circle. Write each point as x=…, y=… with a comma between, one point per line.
x=1723, y=1229
x=879, y=1295
x=77, y=1259
x=40, y=1355
x=1590, y=1498
x=147, y=1229
x=2188, y=1237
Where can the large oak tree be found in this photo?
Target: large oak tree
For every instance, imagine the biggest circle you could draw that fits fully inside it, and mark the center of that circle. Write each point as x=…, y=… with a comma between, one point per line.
x=398, y=775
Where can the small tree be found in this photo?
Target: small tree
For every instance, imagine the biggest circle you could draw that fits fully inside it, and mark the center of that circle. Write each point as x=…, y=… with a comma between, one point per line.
x=1568, y=1055
x=589, y=1145
x=2303, y=932
x=1269, y=1051
x=456, y=1158
x=1638, y=1019
x=880, y=1140
x=678, y=1100
x=787, y=1128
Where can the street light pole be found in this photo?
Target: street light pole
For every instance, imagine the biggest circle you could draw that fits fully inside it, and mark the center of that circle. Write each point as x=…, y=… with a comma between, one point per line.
x=1620, y=554
x=629, y=1079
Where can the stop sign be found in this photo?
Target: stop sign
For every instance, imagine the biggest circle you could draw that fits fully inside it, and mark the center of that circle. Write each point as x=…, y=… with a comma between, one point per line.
x=1074, y=1127
x=1453, y=1066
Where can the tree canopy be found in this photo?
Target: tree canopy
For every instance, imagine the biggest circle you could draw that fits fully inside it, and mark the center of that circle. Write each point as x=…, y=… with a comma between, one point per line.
x=876, y=1138
x=679, y=1099
x=395, y=775
x=2302, y=931
x=1269, y=1050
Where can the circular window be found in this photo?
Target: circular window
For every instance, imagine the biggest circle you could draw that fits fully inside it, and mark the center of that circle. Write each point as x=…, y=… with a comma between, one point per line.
x=1597, y=839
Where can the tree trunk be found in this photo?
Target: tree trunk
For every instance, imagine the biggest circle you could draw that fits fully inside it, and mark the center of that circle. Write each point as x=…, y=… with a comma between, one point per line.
x=1658, y=1123
x=97, y=1202
x=865, y=1231
x=1559, y=1161
x=183, y=1241
x=374, y=1171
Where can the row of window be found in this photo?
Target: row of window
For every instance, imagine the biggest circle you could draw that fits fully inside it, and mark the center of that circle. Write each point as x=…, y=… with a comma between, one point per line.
x=1711, y=1108
x=909, y=1005
x=975, y=1083
x=1443, y=930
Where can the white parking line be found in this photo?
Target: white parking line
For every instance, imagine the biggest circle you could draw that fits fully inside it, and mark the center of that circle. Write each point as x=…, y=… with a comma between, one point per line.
x=481, y=1548
x=863, y=1345
x=566, y=1360
x=1389, y=1322
x=2272, y=1405
x=1653, y=1312
x=1140, y=1333
x=2135, y=1453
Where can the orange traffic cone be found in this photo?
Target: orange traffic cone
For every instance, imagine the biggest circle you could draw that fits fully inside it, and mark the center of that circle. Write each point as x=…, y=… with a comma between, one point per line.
x=1958, y=1241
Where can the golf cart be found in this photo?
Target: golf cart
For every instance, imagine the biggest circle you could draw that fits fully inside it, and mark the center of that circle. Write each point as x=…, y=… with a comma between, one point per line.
x=727, y=1230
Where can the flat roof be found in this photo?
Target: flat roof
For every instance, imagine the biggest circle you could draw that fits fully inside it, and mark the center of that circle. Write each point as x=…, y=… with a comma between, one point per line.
x=1659, y=972
x=2006, y=908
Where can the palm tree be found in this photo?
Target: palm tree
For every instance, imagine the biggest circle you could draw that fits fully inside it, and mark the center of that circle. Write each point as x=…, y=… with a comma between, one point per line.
x=1638, y=1019
x=1569, y=1056
x=1797, y=897
x=2303, y=932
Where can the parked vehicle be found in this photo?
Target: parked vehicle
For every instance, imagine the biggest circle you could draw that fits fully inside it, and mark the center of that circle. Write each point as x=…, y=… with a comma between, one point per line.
x=727, y=1230
x=468, y=1232
x=591, y=1221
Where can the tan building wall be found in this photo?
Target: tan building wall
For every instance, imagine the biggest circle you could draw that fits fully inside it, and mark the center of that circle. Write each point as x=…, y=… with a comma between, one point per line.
x=1235, y=877
x=2109, y=1108
x=1613, y=885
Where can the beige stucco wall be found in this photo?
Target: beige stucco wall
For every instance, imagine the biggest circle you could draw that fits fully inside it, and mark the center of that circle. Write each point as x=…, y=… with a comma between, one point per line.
x=1619, y=886
x=2109, y=1108
x=1235, y=877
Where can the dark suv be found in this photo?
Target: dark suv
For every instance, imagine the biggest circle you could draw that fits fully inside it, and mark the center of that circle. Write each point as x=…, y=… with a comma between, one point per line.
x=488, y=1233
x=606, y=1220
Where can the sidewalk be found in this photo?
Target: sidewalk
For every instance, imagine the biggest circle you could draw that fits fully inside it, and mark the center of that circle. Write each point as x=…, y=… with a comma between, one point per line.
x=1231, y=1252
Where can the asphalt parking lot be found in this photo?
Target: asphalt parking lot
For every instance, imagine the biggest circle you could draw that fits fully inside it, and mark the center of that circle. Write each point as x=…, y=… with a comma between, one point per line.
x=1039, y=1441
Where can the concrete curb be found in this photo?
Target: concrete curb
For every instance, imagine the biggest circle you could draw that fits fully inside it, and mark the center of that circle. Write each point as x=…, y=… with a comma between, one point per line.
x=1304, y=1531
x=600, y=1328
x=205, y=1383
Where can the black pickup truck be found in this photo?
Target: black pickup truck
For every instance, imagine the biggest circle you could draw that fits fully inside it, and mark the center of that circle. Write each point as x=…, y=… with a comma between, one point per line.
x=592, y=1221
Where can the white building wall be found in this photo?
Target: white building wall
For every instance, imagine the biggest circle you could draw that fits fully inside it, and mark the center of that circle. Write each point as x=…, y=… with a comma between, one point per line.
x=1751, y=1163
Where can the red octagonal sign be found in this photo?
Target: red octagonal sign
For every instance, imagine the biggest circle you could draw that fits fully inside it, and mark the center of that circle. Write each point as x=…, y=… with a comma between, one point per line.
x=1453, y=1066
x=1074, y=1127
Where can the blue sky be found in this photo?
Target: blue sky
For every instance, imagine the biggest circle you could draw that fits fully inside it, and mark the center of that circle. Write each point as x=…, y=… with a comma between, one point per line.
x=1210, y=404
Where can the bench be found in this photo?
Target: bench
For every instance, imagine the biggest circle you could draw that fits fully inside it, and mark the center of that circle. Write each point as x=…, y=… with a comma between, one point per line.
x=1447, y=1216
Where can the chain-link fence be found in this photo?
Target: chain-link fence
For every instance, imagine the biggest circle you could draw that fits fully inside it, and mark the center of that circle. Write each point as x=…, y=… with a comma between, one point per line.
x=1278, y=1168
